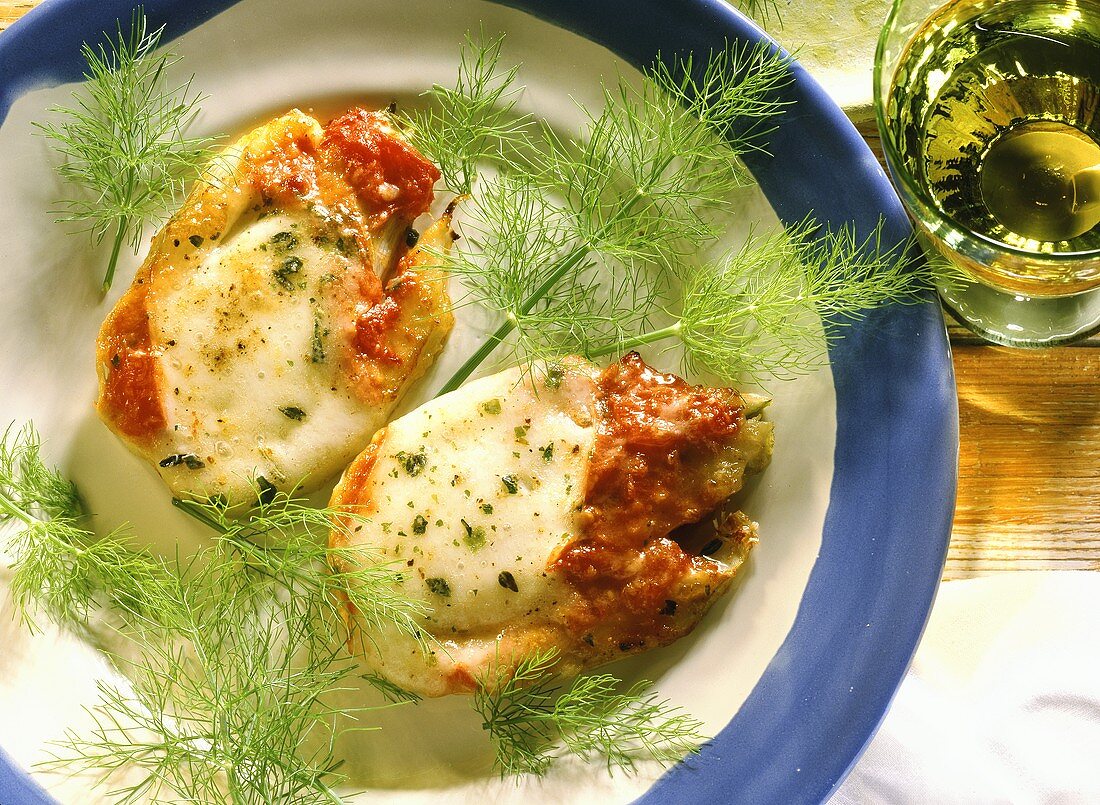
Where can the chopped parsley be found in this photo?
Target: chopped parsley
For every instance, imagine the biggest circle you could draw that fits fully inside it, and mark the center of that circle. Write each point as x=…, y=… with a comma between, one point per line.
x=555, y=373
x=475, y=536
x=548, y=453
x=285, y=272
x=293, y=412
x=265, y=491
x=190, y=460
x=486, y=508
x=317, y=348
x=491, y=406
x=420, y=525
x=507, y=581
x=439, y=586
x=285, y=241
x=511, y=483
x=413, y=463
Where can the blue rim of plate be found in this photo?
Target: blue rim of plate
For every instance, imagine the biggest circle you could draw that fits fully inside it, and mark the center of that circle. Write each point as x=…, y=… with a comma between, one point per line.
x=888, y=523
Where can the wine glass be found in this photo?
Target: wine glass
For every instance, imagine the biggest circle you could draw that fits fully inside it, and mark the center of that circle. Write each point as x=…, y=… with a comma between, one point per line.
x=989, y=114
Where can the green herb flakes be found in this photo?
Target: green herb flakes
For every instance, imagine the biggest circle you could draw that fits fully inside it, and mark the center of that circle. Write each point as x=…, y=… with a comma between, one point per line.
x=285, y=273
x=475, y=536
x=413, y=463
x=317, y=345
x=293, y=412
x=190, y=460
x=555, y=373
x=285, y=241
x=439, y=587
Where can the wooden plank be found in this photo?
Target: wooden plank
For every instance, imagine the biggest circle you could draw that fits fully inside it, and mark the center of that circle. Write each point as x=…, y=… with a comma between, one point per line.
x=11, y=10
x=1029, y=463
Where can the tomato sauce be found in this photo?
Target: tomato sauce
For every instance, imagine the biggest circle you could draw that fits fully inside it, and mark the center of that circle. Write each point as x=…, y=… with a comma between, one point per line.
x=647, y=476
x=131, y=391
x=372, y=329
x=389, y=175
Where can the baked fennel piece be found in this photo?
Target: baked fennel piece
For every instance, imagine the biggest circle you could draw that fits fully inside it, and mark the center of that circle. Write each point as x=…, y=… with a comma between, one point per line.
x=568, y=509
x=282, y=312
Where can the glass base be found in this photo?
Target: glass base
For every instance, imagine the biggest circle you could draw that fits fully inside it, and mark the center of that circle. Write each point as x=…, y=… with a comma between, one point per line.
x=1016, y=320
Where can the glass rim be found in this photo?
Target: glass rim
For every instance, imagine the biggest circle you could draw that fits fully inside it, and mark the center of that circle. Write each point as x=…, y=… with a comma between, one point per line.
x=902, y=176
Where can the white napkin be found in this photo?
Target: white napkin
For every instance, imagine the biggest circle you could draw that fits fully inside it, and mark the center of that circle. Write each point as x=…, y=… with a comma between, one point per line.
x=1002, y=703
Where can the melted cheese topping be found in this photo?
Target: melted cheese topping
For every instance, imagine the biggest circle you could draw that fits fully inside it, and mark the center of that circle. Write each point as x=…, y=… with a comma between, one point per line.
x=476, y=489
x=251, y=343
x=258, y=338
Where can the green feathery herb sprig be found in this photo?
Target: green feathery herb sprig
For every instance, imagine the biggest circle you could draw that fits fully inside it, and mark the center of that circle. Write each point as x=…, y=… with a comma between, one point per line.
x=765, y=11
x=124, y=141
x=232, y=659
x=639, y=190
x=757, y=312
x=232, y=701
x=59, y=567
x=473, y=122
x=531, y=717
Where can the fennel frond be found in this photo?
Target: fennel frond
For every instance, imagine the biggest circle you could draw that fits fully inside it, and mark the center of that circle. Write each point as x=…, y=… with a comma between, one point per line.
x=757, y=312
x=232, y=661
x=124, y=140
x=531, y=718
x=620, y=206
x=475, y=120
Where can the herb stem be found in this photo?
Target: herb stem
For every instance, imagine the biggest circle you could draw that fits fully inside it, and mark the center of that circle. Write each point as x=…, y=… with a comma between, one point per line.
x=471, y=363
x=234, y=786
x=120, y=236
x=672, y=331
x=200, y=514
x=14, y=510
x=567, y=264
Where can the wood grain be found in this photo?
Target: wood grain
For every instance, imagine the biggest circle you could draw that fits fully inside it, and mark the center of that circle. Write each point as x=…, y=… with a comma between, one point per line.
x=11, y=10
x=1029, y=463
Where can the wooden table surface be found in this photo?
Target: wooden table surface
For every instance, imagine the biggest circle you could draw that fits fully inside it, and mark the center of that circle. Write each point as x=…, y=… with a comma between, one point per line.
x=1029, y=461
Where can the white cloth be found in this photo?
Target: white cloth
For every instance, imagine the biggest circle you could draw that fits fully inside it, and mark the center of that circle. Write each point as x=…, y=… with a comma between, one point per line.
x=1002, y=703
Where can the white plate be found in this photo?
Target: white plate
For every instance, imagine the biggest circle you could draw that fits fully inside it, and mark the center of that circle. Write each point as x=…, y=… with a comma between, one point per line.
x=259, y=57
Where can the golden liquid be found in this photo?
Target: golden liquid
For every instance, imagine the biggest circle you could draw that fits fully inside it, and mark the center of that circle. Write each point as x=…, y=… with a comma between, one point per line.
x=996, y=112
